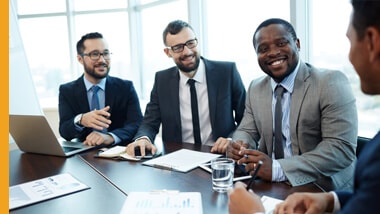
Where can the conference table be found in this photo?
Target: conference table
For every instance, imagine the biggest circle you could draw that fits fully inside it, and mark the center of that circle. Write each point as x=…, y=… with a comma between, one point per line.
x=112, y=180
x=102, y=197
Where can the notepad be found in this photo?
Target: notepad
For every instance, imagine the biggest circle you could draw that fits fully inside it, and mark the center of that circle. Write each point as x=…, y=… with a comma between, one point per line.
x=182, y=160
x=270, y=203
x=163, y=202
x=43, y=189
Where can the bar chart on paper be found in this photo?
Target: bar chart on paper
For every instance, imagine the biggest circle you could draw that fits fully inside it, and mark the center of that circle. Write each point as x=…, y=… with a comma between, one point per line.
x=163, y=202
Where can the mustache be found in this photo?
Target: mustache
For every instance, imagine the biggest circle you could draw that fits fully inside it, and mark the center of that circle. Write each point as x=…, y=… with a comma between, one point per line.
x=102, y=64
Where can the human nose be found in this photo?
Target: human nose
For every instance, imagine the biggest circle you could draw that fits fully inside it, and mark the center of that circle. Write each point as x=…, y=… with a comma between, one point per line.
x=273, y=51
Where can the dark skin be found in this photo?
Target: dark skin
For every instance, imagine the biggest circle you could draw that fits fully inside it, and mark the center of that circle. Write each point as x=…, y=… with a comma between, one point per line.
x=277, y=55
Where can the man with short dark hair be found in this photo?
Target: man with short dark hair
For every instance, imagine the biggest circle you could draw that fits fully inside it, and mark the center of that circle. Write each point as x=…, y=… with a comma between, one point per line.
x=364, y=36
x=97, y=108
x=219, y=97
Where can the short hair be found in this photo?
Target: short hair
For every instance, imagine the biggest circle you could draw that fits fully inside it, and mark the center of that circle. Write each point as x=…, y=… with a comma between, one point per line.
x=366, y=13
x=174, y=27
x=287, y=25
x=80, y=43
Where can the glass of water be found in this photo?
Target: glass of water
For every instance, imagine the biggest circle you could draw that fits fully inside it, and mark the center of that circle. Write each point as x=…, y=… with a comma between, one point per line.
x=222, y=174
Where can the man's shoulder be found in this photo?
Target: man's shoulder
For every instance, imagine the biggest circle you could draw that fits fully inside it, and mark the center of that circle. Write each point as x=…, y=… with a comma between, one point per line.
x=71, y=84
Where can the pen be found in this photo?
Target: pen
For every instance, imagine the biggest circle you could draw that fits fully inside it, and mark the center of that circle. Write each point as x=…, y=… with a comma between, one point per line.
x=242, y=178
x=254, y=174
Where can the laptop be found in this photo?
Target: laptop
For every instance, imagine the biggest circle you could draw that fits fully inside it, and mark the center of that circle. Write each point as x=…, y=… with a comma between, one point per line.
x=33, y=134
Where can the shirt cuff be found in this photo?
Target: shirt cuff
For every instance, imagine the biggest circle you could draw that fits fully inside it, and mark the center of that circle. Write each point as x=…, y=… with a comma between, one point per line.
x=143, y=137
x=336, y=202
x=115, y=138
x=277, y=172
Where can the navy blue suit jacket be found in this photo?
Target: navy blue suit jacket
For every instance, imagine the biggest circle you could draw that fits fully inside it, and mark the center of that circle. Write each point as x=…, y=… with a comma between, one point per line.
x=226, y=95
x=364, y=198
x=120, y=95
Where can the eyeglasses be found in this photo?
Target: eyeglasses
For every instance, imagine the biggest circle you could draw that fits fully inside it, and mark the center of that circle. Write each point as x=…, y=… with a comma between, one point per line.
x=192, y=43
x=95, y=55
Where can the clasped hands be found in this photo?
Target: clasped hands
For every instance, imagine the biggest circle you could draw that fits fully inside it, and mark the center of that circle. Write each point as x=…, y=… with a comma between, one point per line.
x=238, y=150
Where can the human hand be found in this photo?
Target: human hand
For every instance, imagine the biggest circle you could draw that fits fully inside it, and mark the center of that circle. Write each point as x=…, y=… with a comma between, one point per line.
x=143, y=144
x=242, y=201
x=310, y=203
x=221, y=145
x=234, y=148
x=251, y=157
x=97, y=138
x=97, y=119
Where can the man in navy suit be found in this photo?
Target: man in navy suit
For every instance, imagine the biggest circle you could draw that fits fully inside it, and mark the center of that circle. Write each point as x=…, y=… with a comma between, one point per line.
x=109, y=115
x=220, y=96
x=364, y=35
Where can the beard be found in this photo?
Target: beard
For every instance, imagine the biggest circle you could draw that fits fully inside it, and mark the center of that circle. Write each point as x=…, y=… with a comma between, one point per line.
x=91, y=71
x=188, y=69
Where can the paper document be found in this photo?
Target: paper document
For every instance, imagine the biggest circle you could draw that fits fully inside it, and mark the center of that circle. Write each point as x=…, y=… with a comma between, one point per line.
x=269, y=203
x=182, y=160
x=165, y=202
x=43, y=189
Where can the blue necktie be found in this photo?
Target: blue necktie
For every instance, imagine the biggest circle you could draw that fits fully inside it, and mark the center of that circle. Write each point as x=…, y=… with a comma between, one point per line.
x=194, y=112
x=95, y=98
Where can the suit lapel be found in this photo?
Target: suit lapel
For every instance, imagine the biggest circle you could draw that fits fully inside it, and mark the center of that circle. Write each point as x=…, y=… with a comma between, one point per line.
x=80, y=95
x=212, y=79
x=265, y=91
x=109, y=93
x=301, y=86
x=173, y=86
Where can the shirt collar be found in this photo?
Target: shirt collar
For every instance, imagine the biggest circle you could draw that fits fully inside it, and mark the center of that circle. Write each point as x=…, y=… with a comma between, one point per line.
x=287, y=82
x=101, y=84
x=200, y=75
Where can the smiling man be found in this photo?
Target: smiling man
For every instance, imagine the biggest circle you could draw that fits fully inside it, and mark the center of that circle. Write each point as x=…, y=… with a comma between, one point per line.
x=312, y=135
x=97, y=108
x=220, y=96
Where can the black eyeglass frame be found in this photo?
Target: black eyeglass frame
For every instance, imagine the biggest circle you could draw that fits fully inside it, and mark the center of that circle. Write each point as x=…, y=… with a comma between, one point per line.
x=192, y=43
x=95, y=55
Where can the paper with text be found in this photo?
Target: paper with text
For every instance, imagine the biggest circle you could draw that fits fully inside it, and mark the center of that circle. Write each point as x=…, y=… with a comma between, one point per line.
x=165, y=202
x=43, y=189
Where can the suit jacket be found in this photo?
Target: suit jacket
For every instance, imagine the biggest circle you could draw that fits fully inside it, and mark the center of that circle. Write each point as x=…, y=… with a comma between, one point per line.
x=120, y=95
x=226, y=94
x=364, y=198
x=323, y=127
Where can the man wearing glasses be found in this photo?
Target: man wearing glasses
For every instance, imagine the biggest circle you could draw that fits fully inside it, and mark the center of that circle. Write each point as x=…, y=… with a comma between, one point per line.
x=97, y=108
x=220, y=97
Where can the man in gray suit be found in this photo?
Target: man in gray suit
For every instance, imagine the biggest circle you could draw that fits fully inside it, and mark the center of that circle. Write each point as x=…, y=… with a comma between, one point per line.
x=319, y=119
x=220, y=95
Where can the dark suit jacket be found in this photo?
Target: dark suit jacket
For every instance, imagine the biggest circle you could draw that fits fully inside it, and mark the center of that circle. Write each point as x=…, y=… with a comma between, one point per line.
x=226, y=95
x=120, y=95
x=364, y=198
x=323, y=127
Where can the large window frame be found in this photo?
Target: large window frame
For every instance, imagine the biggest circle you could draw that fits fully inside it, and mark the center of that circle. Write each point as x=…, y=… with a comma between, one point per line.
x=140, y=70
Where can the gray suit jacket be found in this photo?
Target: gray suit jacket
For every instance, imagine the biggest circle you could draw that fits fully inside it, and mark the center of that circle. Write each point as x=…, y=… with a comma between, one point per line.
x=323, y=127
x=226, y=95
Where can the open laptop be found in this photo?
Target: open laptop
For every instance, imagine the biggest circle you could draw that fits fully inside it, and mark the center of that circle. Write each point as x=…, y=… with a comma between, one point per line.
x=32, y=133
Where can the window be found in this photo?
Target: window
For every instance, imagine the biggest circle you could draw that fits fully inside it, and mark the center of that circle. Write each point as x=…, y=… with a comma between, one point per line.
x=224, y=29
x=329, y=49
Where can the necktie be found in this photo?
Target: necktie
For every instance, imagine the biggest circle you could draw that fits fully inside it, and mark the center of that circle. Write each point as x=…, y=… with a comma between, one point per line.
x=95, y=98
x=278, y=148
x=194, y=112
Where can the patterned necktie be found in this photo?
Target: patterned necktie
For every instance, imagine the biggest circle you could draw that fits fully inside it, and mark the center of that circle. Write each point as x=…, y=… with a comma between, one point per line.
x=194, y=112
